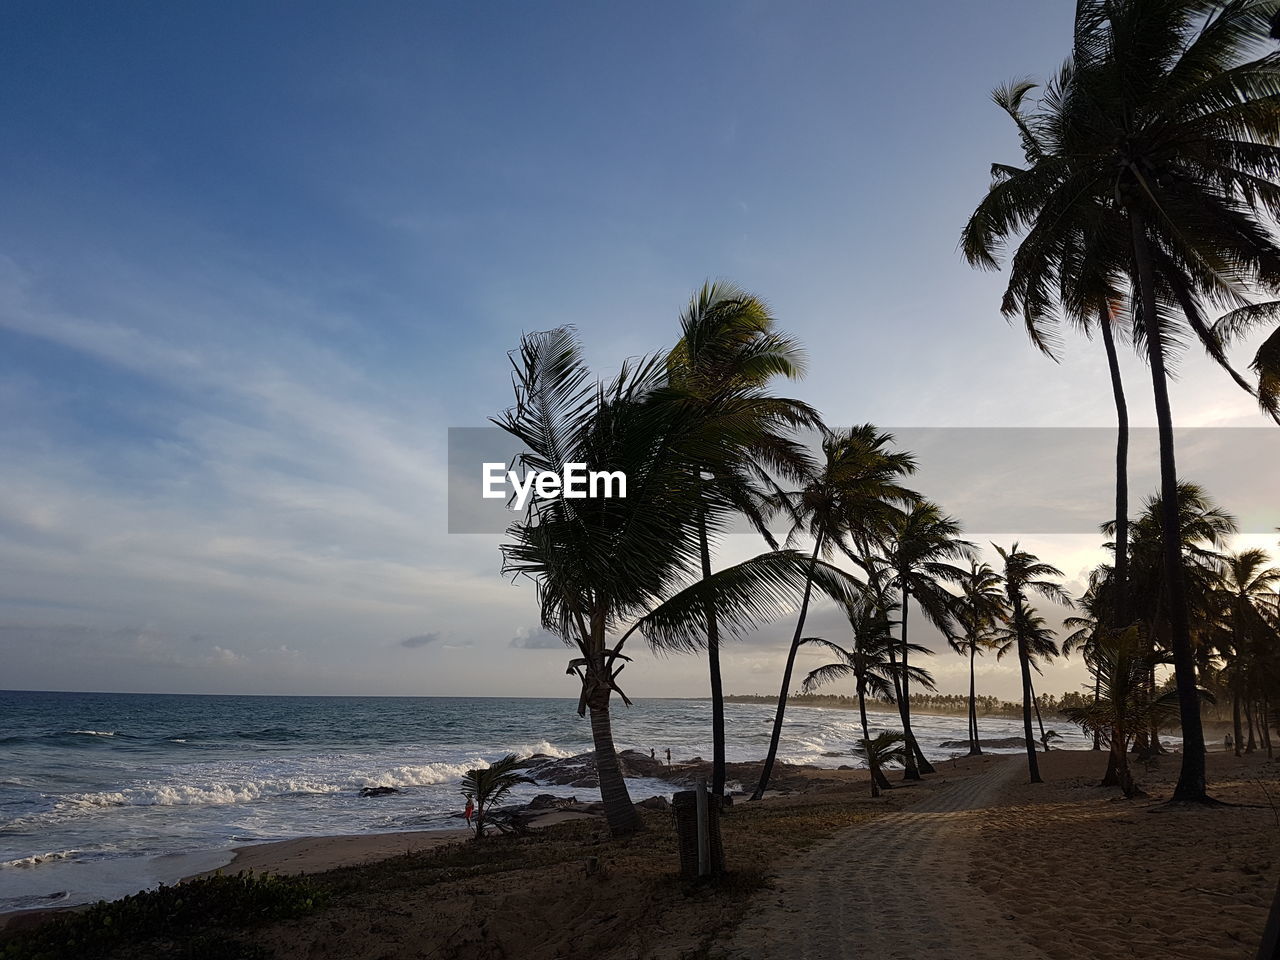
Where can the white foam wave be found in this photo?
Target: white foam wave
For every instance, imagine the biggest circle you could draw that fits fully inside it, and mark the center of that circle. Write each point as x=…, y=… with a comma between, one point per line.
x=422, y=775
x=544, y=747
x=37, y=859
x=181, y=795
x=94, y=733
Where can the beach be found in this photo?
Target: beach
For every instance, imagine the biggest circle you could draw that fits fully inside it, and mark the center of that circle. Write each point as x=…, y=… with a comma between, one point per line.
x=971, y=855
x=109, y=794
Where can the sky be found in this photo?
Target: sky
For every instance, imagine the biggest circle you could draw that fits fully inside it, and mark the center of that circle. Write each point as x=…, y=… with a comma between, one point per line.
x=256, y=259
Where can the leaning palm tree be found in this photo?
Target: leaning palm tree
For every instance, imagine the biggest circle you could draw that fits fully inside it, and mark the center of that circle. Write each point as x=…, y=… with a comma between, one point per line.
x=489, y=786
x=916, y=559
x=1023, y=574
x=850, y=496
x=976, y=611
x=872, y=663
x=1162, y=127
x=735, y=435
x=608, y=565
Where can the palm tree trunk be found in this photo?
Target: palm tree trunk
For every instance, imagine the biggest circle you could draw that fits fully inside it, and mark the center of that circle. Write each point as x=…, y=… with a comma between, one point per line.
x=1033, y=764
x=904, y=704
x=975, y=745
x=1237, y=731
x=713, y=663
x=1191, y=786
x=1097, y=695
x=767, y=771
x=1035, y=702
x=619, y=811
x=1248, y=718
x=1118, y=771
x=878, y=779
x=1120, y=602
x=910, y=770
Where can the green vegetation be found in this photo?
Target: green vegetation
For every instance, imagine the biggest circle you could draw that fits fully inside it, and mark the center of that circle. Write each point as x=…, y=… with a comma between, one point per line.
x=194, y=920
x=488, y=786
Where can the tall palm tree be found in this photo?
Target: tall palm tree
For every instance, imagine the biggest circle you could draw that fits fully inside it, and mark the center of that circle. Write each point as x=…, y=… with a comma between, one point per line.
x=736, y=433
x=850, y=496
x=1163, y=124
x=916, y=560
x=608, y=565
x=1068, y=267
x=976, y=611
x=870, y=660
x=1025, y=574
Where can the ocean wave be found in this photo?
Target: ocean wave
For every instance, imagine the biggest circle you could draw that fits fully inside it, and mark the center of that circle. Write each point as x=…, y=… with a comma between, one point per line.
x=186, y=795
x=420, y=776
x=92, y=733
x=225, y=792
x=546, y=748
x=37, y=859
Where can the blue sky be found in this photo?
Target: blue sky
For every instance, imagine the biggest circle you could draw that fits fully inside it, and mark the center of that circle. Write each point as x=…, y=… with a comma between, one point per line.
x=256, y=258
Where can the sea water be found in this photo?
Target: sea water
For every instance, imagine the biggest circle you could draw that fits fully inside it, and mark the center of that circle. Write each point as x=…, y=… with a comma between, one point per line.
x=105, y=794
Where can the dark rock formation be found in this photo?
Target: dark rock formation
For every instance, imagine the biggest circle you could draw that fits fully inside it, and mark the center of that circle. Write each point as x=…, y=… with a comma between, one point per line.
x=377, y=791
x=580, y=771
x=1004, y=743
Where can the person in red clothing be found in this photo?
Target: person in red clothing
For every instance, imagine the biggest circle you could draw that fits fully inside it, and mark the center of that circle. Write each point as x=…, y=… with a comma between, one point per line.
x=471, y=809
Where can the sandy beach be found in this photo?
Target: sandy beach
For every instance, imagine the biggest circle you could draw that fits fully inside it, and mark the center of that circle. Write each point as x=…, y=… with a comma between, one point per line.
x=973, y=858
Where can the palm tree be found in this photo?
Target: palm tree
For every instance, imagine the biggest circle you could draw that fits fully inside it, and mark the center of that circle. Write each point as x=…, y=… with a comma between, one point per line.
x=915, y=559
x=1024, y=573
x=607, y=565
x=1247, y=589
x=871, y=661
x=850, y=496
x=1039, y=644
x=1122, y=661
x=1202, y=528
x=489, y=786
x=977, y=610
x=1069, y=266
x=718, y=373
x=883, y=750
x=1163, y=124
x=1088, y=626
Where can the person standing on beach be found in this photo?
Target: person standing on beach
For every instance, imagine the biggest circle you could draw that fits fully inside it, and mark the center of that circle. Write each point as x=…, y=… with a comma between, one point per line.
x=668, y=756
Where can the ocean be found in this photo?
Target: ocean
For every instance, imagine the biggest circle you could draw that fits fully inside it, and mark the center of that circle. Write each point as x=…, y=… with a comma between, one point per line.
x=105, y=794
